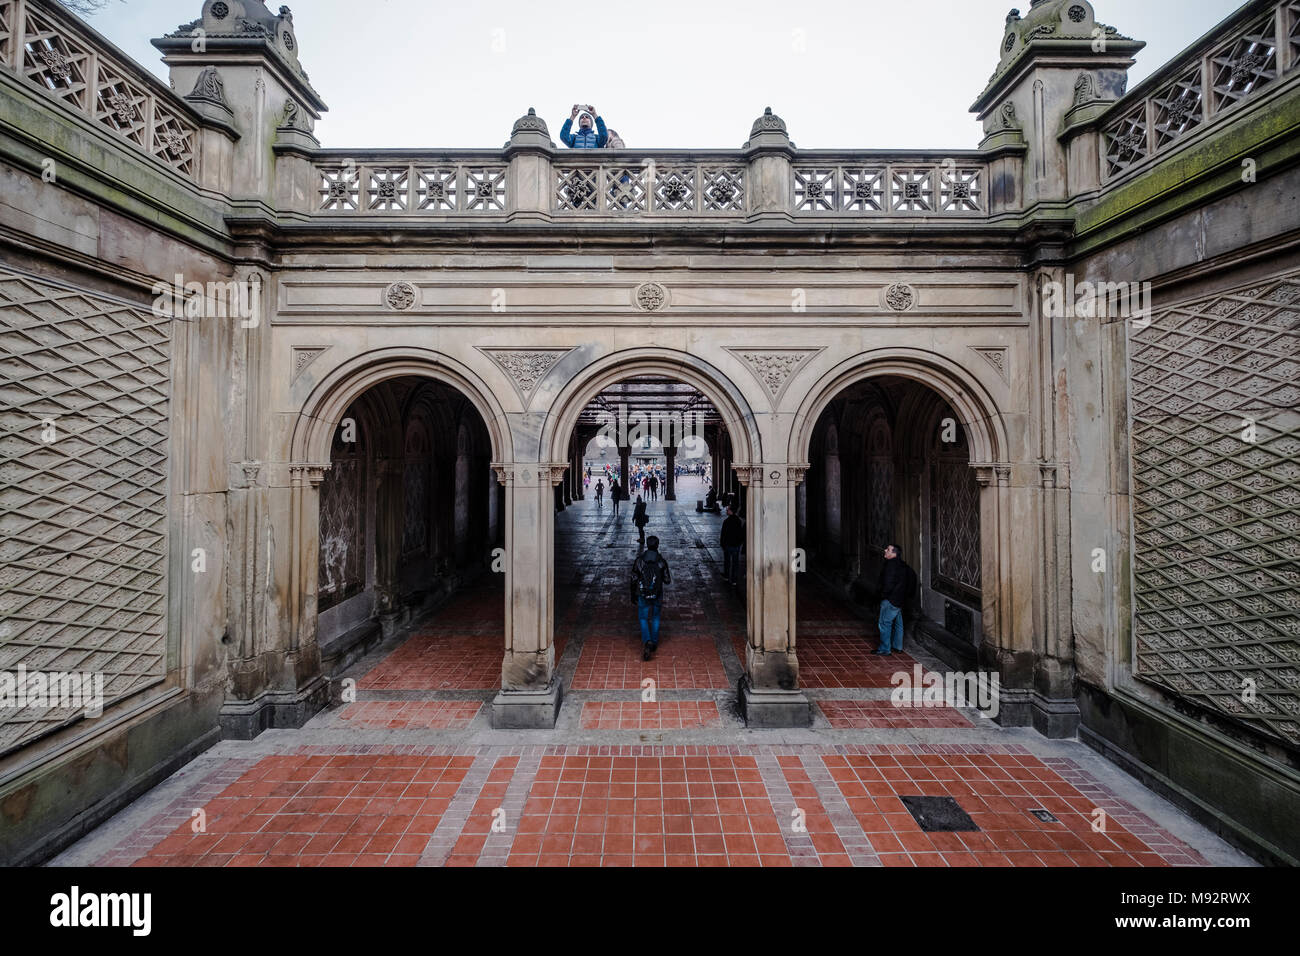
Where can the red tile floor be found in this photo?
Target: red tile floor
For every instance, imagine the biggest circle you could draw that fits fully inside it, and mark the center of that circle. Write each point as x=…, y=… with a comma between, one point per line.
x=637, y=805
x=405, y=775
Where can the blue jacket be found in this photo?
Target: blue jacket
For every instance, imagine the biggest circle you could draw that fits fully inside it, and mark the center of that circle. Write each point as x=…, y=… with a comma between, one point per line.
x=584, y=138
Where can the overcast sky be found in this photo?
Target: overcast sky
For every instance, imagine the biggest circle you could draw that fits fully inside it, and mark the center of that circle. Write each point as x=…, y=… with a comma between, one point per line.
x=670, y=73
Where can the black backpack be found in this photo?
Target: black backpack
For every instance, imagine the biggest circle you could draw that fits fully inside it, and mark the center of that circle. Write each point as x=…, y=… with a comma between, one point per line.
x=650, y=575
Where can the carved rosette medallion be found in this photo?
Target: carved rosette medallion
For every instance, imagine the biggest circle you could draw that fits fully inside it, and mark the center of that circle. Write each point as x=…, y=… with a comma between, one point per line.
x=650, y=297
x=899, y=297
x=401, y=296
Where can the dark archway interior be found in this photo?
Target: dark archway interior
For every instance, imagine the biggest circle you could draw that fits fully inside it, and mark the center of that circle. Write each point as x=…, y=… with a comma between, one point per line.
x=409, y=511
x=890, y=463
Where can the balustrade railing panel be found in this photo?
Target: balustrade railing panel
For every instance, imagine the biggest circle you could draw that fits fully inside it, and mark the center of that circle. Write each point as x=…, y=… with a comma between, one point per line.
x=52, y=50
x=670, y=188
x=890, y=189
x=421, y=188
x=1236, y=68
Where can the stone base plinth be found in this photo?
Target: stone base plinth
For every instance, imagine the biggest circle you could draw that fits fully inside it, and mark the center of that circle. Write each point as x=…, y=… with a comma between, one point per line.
x=774, y=709
x=245, y=719
x=527, y=709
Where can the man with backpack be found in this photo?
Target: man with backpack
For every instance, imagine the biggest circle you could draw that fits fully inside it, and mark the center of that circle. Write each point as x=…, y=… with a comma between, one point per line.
x=649, y=575
x=897, y=585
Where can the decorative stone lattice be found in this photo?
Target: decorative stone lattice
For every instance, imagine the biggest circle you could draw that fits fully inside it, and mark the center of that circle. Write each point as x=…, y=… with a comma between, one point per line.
x=485, y=189
x=845, y=189
x=625, y=189
x=1216, y=516
x=1243, y=66
x=723, y=188
x=342, y=565
x=59, y=60
x=526, y=367
x=650, y=297
x=1293, y=31
x=388, y=188
x=438, y=188
x=899, y=297
x=83, y=517
x=911, y=190
x=774, y=368
x=401, y=296
x=880, y=478
x=650, y=189
x=416, y=476
x=340, y=189
x=955, y=519
x=1126, y=141
x=1237, y=68
x=7, y=8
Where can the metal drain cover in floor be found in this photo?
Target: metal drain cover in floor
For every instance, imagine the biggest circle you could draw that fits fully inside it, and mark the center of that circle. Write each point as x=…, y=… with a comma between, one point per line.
x=939, y=814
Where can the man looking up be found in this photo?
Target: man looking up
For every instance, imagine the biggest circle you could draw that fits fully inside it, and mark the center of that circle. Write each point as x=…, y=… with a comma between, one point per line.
x=585, y=137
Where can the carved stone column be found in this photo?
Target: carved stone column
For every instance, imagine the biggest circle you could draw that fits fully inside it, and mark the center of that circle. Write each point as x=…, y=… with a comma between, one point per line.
x=670, y=475
x=769, y=693
x=623, y=455
x=530, y=694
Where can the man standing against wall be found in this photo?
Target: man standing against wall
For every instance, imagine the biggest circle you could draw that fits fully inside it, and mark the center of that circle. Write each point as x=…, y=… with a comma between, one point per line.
x=897, y=582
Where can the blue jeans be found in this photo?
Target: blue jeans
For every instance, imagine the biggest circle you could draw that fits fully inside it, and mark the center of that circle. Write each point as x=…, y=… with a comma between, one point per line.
x=891, y=626
x=731, y=563
x=648, y=610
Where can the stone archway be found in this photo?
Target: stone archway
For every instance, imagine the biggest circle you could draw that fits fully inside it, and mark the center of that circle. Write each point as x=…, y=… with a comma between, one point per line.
x=986, y=448
x=360, y=385
x=769, y=692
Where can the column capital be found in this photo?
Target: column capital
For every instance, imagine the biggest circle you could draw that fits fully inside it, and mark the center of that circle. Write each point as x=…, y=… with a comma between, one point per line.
x=311, y=472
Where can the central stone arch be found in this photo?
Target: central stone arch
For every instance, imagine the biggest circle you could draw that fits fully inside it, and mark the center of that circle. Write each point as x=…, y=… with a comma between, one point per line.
x=769, y=690
x=583, y=387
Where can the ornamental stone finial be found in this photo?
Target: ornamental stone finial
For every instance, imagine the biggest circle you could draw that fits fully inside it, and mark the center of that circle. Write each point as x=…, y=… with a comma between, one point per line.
x=529, y=123
x=769, y=122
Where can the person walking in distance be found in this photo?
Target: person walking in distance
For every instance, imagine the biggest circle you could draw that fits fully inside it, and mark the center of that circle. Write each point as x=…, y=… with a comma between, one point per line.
x=732, y=539
x=640, y=519
x=615, y=494
x=897, y=582
x=600, y=494
x=649, y=575
x=654, y=487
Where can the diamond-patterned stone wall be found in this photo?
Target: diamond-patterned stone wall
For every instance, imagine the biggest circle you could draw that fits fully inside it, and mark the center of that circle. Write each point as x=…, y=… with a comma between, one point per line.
x=83, y=517
x=1215, y=435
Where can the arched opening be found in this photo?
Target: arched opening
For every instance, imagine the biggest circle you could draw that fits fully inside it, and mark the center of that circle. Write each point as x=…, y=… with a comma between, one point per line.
x=409, y=511
x=890, y=462
x=668, y=422
x=660, y=441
